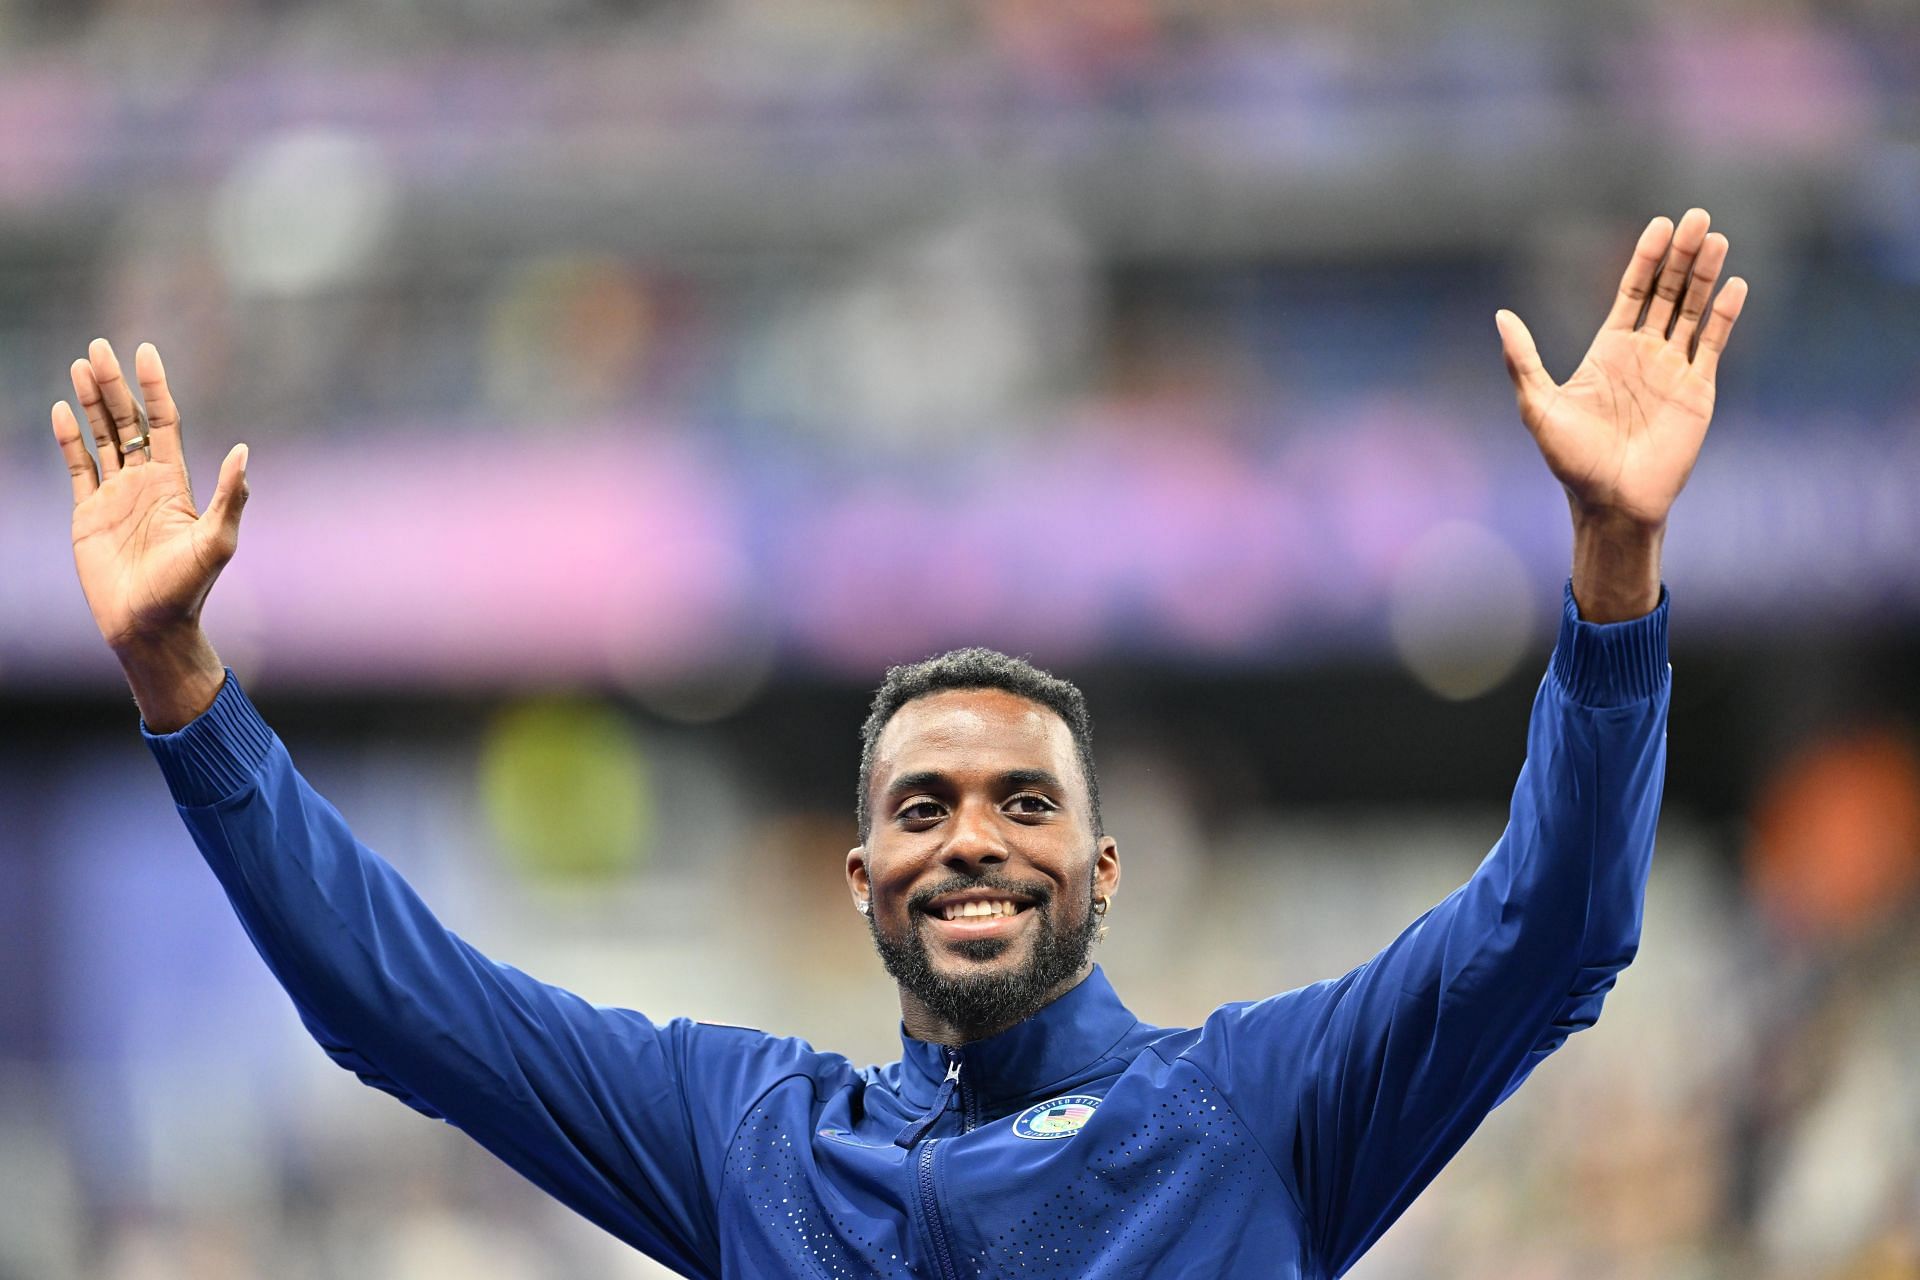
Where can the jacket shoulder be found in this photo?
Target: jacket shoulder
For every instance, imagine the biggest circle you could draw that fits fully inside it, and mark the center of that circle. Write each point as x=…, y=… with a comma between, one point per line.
x=728, y=1058
x=1240, y=1024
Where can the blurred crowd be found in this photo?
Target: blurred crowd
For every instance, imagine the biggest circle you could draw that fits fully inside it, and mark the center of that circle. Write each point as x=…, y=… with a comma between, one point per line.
x=768, y=295
x=858, y=225
x=828, y=291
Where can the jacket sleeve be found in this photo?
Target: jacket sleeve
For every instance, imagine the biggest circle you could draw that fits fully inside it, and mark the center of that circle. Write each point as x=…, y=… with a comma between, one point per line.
x=625, y=1120
x=1361, y=1088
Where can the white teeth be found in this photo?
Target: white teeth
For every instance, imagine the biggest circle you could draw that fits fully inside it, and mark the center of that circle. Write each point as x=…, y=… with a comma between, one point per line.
x=964, y=910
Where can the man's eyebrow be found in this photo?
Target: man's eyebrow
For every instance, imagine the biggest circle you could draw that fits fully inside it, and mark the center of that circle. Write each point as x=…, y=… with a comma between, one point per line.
x=922, y=780
x=1011, y=780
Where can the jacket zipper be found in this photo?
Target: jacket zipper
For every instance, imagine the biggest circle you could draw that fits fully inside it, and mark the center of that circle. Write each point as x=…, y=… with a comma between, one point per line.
x=929, y=1203
x=942, y=1255
x=917, y=1129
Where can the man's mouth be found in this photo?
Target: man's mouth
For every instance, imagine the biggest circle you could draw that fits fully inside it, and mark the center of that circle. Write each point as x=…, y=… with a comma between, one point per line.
x=977, y=915
x=977, y=909
x=982, y=902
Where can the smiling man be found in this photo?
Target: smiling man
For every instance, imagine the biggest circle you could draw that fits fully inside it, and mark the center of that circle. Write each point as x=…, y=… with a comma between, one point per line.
x=1032, y=1126
x=974, y=755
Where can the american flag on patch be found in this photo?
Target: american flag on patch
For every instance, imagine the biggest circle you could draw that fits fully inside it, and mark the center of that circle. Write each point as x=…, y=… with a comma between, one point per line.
x=1063, y=1119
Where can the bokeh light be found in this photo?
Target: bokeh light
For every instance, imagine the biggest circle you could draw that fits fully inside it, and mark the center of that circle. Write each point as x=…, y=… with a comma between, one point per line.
x=564, y=782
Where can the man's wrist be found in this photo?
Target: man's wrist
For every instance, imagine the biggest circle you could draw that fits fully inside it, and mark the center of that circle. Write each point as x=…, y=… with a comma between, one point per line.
x=1616, y=565
x=174, y=677
x=1610, y=664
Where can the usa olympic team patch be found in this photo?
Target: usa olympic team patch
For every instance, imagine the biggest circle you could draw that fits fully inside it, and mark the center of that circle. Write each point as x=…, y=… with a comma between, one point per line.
x=1056, y=1117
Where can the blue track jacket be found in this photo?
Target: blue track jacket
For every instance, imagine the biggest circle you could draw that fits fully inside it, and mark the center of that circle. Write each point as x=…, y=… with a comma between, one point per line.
x=1277, y=1139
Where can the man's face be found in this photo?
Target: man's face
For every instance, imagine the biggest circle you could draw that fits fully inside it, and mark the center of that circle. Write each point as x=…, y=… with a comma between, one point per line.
x=978, y=798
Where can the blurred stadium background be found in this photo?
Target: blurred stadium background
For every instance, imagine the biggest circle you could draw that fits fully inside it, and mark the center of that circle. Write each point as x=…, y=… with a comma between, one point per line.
x=629, y=383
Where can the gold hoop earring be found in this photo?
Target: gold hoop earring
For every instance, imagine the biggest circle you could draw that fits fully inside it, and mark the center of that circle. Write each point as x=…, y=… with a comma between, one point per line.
x=1101, y=904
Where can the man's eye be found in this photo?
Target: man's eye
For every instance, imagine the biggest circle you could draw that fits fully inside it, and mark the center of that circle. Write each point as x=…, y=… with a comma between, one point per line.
x=919, y=811
x=1030, y=803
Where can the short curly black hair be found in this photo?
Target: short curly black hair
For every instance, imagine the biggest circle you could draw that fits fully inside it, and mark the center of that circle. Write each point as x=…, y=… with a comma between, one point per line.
x=976, y=668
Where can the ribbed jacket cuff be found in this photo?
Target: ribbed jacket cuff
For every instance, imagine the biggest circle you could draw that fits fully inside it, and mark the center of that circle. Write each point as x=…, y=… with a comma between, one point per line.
x=216, y=754
x=1610, y=664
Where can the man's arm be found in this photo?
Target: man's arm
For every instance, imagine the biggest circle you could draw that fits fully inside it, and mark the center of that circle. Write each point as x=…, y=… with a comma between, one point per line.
x=1362, y=1088
x=625, y=1120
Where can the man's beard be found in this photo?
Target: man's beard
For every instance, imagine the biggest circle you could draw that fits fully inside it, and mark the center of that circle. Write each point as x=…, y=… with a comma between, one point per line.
x=973, y=1003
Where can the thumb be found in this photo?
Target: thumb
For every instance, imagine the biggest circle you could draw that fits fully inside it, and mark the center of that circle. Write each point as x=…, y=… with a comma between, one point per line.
x=221, y=519
x=1530, y=378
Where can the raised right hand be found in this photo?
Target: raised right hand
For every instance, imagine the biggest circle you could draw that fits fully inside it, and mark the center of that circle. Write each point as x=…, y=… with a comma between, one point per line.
x=146, y=556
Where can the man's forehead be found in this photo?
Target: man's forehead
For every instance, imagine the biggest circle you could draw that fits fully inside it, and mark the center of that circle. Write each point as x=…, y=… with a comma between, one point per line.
x=966, y=723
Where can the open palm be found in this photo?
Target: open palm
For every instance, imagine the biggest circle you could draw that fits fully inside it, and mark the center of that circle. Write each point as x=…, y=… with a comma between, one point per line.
x=146, y=557
x=1623, y=432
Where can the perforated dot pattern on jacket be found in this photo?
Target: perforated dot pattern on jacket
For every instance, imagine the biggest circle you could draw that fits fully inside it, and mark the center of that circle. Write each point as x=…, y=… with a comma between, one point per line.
x=766, y=1165
x=1182, y=1170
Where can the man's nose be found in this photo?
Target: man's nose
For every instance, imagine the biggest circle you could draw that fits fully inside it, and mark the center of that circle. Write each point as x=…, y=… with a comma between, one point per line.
x=974, y=836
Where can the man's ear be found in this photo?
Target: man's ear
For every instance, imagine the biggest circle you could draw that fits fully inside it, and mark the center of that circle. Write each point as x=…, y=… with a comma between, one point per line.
x=1106, y=867
x=857, y=881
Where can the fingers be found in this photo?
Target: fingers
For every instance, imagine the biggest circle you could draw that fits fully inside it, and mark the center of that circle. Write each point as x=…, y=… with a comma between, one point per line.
x=1637, y=284
x=163, y=417
x=1706, y=273
x=1687, y=241
x=127, y=421
x=1726, y=310
x=66, y=430
x=87, y=391
x=115, y=416
x=1531, y=380
x=220, y=522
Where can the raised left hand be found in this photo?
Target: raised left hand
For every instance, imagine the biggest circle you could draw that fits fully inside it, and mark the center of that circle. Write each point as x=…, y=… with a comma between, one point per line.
x=1623, y=432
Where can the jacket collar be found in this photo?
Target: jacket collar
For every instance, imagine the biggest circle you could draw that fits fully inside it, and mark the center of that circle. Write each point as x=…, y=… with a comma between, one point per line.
x=1051, y=1047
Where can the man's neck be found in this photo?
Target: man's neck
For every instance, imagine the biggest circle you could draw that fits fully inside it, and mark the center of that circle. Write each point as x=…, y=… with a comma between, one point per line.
x=922, y=1023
